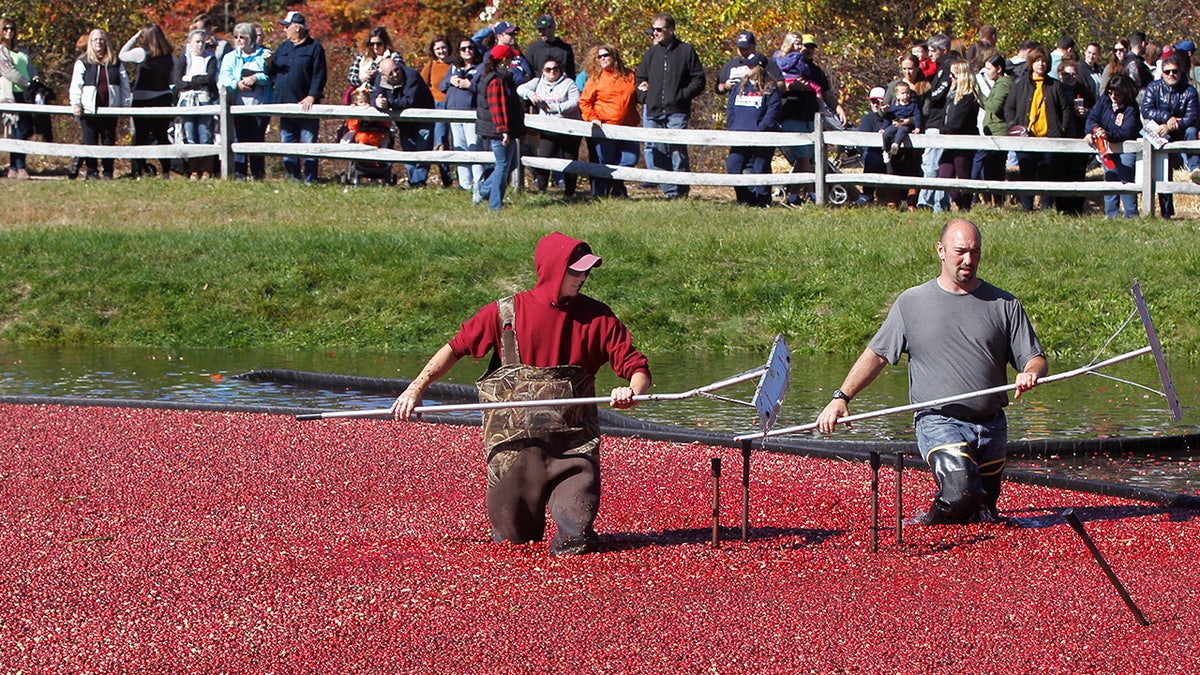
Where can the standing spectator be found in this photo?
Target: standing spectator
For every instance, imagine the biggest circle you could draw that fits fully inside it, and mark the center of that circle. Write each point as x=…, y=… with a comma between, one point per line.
x=196, y=82
x=982, y=49
x=669, y=77
x=1115, y=119
x=935, y=116
x=994, y=123
x=1016, y=65
x=500, y=121
x=244, y=74
x=213, y=44
x=872, y=155
x=98, y=81
x=829, y=98
x=17, y=75
x=1187, y=49
x=365, y=66
x=505, y=33
x=1063, y=49
x=908, y=162
x=1135, y=61
x=609, y=97
x=459, y=87
x=910, y=74
x=1091, y=70
x=397, y=89
x=801, y=103
x=299, y=72
x=550, y=46
x=553, y=93
x=1171, y=111
x=738, y=65
x=1036, y=103
x=433, y=72
x=754, y=105
x=151, y=89
x=961, y=119
x=1116, y=62
x=1072, y=167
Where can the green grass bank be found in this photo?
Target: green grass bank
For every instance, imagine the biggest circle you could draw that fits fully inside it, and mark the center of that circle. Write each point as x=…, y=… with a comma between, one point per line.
x=223, y=265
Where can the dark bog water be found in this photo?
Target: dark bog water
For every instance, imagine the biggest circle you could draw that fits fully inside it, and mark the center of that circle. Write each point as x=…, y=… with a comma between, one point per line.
x=1088, y=406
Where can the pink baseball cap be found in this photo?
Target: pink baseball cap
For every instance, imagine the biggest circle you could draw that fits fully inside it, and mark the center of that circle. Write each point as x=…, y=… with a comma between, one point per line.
x=586, y=260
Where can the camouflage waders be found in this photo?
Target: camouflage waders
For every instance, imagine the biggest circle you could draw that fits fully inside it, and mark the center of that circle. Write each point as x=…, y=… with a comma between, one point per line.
x=539, y=457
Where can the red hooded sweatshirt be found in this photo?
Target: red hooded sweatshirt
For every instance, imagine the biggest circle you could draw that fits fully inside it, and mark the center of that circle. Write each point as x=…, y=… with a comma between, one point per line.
x=584, y=332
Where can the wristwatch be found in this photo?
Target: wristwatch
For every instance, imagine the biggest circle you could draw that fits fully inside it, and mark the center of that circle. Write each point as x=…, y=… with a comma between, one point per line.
x=838, y=393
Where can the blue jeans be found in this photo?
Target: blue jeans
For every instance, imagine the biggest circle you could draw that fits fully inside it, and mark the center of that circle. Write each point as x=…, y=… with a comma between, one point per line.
x=495, y=181
x=416, y=138
x=299, y=130
x=464, y=138
x=197, y=129
x=613, y=153
x=442, y=137
x=1123, y=173
x=938, y=200
x=966, y=456
x=1190, y=162
x=678, y=154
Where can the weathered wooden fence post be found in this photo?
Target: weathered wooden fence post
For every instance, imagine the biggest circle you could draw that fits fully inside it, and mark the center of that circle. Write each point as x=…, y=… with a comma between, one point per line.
x=225, y=123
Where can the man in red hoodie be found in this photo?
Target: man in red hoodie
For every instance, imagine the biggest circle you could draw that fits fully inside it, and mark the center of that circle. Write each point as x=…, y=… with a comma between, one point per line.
x=548, y=342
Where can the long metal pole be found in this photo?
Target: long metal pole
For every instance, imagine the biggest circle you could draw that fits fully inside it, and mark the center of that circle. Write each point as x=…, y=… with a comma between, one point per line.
x=950, y=399
x=461, y=407
x=1077, y=525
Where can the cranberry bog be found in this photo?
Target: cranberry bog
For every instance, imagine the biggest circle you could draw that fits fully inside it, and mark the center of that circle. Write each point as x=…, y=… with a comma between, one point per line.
x=139, y=540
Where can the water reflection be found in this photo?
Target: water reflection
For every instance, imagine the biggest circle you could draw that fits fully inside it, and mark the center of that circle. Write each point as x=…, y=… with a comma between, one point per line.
x=1088, y=406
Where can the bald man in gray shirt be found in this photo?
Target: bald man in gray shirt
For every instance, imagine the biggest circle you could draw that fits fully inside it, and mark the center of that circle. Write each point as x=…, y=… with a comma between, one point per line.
x=960, y=334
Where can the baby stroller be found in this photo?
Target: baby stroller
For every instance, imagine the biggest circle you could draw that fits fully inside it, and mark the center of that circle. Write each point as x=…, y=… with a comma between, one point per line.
x=359, y=172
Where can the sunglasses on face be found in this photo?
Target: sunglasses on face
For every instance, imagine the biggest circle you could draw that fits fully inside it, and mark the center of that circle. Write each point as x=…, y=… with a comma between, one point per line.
x=551, y=69
x=605, y=55
x=1171, y=72
x=657, y=29
x=466, y=48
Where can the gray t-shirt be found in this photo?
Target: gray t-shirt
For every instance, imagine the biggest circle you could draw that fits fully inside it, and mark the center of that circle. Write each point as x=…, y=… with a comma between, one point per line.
x=957, y=344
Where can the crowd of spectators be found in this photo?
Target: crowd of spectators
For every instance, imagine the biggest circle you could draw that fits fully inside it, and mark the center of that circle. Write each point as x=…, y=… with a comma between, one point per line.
x=944, y=86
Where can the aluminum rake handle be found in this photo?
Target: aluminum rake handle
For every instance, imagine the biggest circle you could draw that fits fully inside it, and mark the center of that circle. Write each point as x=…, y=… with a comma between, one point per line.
x=949, y=399
x=383, y=413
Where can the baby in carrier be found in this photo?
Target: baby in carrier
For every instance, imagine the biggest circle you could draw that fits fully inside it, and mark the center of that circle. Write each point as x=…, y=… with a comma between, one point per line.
x=368, y=131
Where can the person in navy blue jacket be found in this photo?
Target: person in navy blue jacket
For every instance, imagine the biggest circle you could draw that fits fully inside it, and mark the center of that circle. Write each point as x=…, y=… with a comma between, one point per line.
x=299, y=73
x=1115, y=119
x=755, y=104
x=398, y=88
x=1171, y=112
